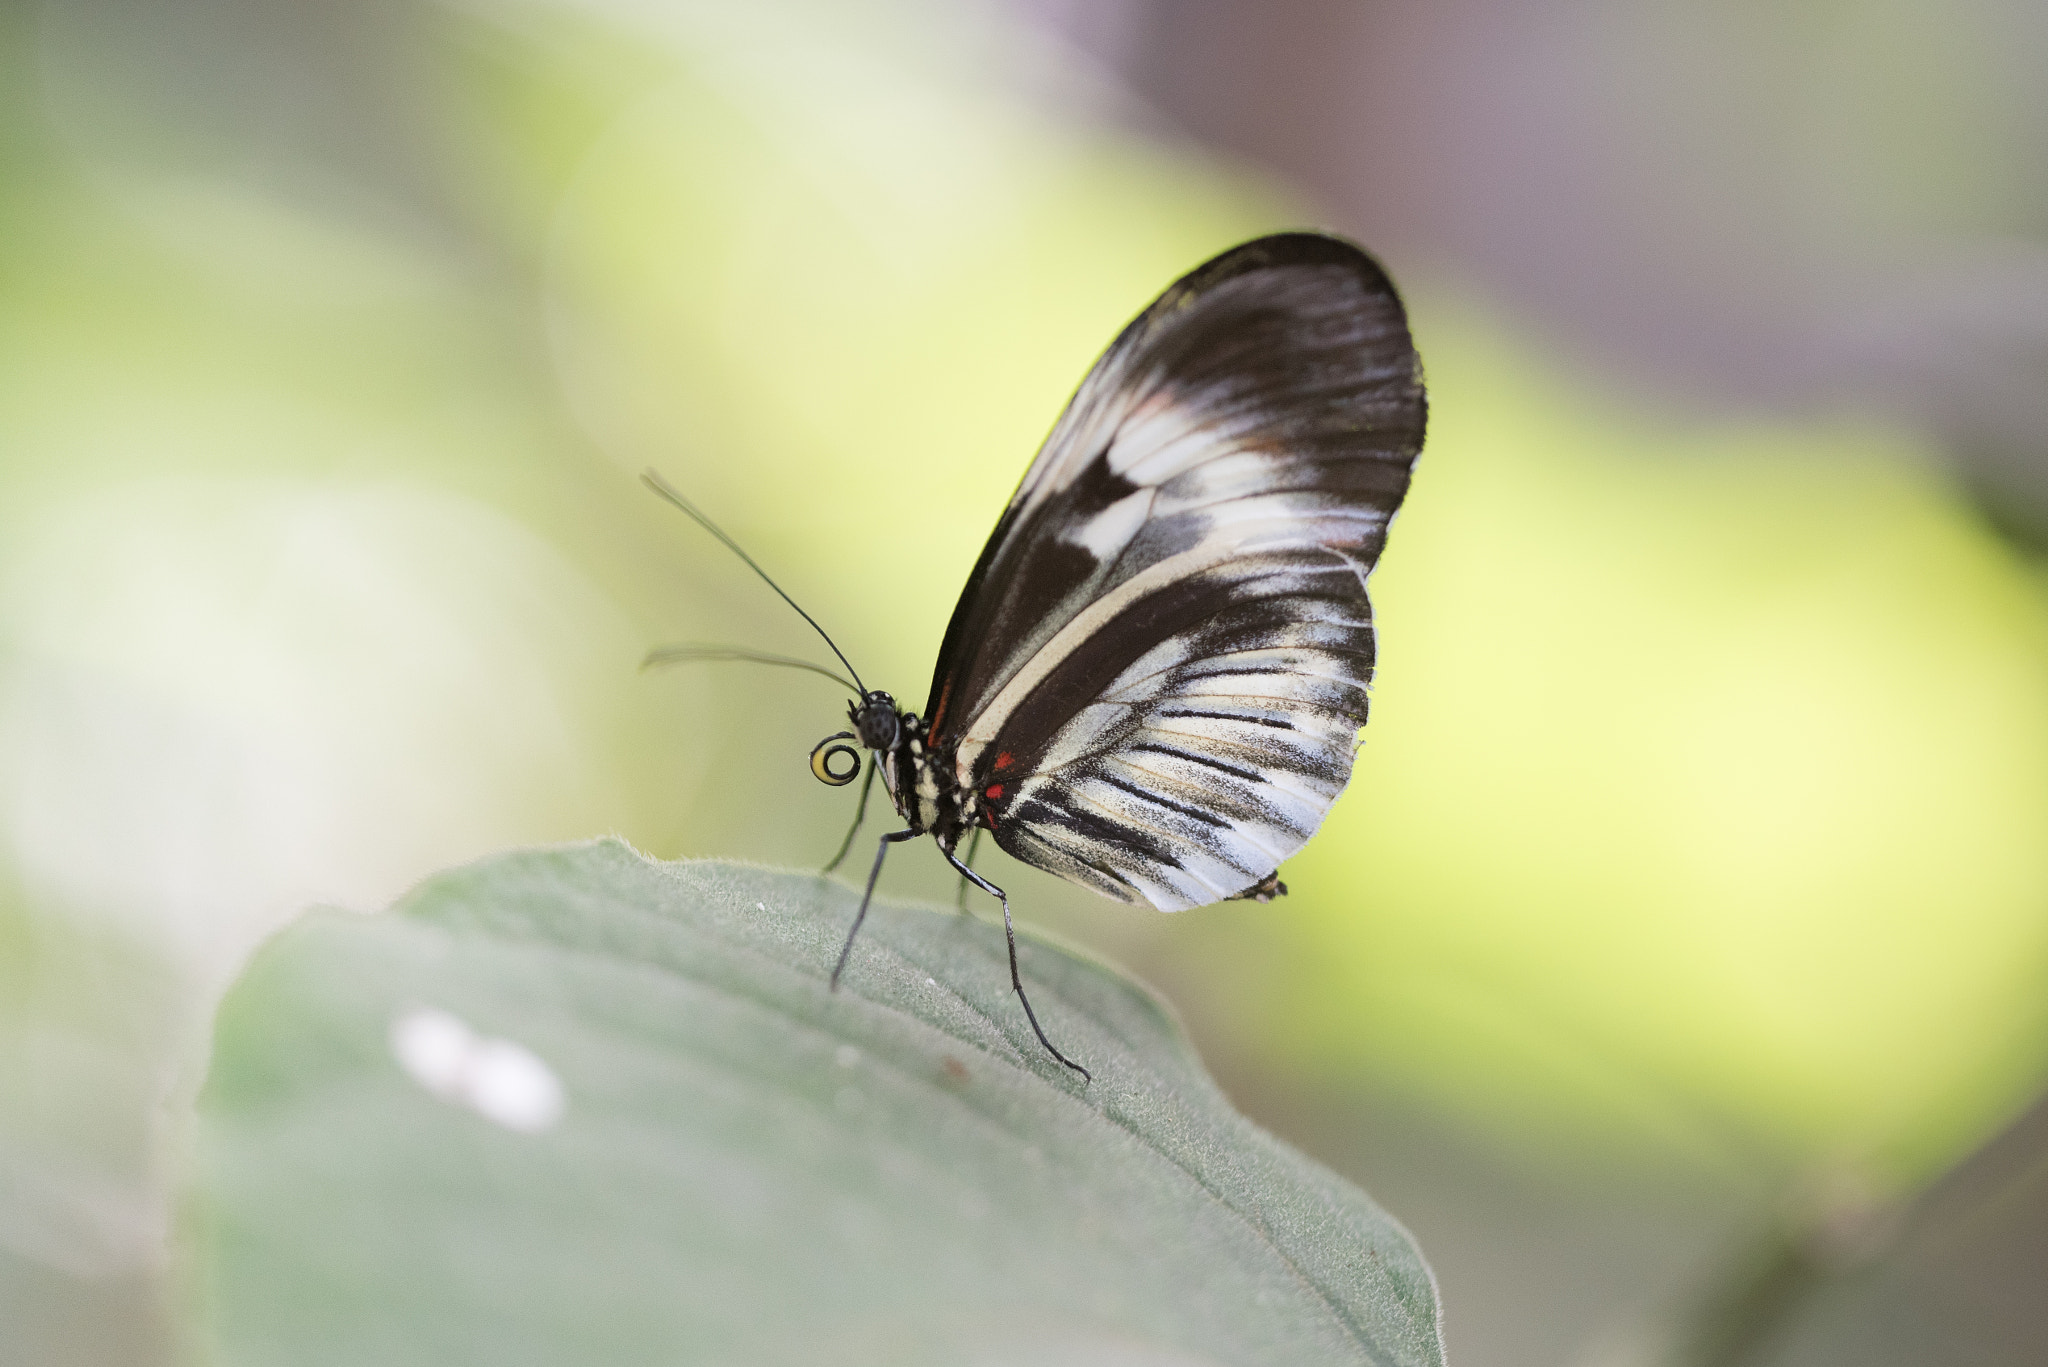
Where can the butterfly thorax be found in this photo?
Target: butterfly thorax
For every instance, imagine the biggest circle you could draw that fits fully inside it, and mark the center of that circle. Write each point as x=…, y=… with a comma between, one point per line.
x=920, y=777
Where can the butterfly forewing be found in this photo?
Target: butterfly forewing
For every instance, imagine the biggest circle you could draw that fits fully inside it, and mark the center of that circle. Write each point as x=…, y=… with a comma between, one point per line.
x=1157, y=672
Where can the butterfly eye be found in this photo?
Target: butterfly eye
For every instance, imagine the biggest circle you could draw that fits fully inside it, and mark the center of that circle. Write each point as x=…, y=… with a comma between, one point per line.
x=876, y=721
x=833, y=748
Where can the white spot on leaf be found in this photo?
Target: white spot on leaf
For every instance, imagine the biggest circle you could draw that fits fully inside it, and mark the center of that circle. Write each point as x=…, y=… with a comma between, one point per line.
x=498, y=1079
x=509, y=1084
x=434, y=1047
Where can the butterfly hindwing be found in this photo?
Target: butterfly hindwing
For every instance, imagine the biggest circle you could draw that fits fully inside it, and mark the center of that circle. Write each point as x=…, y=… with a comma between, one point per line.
x=1157, y=672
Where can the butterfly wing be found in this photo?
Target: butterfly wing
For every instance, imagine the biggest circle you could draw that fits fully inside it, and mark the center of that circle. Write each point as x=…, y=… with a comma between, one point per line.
x=1157, y=671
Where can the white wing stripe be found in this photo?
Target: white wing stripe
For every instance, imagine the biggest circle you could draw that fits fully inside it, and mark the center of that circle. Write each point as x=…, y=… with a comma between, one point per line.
x=1109, y=531
x=1189, y=564
x=1083, y=625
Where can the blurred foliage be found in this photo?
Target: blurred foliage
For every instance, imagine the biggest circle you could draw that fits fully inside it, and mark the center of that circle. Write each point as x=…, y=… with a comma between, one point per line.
x=1699, y=821
x=1707, y=775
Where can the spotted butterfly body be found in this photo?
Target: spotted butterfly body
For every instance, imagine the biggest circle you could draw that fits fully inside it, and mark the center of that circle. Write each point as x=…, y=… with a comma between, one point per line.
x=1154, y=680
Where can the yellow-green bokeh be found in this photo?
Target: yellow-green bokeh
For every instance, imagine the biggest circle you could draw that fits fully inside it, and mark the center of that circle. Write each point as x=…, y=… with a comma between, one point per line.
x=1708, y=769
x=1707, y=775
x=1709, y=766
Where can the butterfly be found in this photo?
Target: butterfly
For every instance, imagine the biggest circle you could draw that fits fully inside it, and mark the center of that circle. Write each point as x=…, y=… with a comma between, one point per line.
x=1154, y=680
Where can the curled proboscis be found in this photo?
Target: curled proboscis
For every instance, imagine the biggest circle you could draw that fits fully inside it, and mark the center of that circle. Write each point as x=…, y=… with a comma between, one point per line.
x=834, y=747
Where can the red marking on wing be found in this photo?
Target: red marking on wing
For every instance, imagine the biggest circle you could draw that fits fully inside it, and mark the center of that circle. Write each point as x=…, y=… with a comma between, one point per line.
x=993, y=791
x=1003, y=760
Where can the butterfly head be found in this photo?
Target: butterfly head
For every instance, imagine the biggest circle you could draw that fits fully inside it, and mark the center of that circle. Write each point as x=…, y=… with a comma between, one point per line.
x=876, y=720
x=876, y=724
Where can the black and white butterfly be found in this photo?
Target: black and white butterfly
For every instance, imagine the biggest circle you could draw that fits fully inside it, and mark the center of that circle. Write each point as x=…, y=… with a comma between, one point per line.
x=1154, y=680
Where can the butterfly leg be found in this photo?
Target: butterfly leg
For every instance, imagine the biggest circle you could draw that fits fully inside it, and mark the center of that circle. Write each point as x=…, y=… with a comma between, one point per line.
x=860, y=814
x=881, y=853
x=1016, y=979
x=973, y=844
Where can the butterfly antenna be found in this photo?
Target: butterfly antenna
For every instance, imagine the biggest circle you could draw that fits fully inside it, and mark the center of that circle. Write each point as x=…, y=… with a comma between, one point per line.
x=694, y=654
x=667, y=491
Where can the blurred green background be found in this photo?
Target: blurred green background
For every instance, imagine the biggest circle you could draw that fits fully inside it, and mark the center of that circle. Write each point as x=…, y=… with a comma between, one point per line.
x=1682, y=943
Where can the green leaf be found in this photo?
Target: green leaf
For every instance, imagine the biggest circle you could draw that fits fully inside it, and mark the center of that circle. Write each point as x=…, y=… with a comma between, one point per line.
x=745, y=1167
